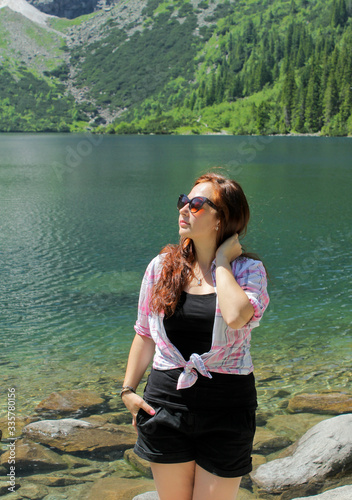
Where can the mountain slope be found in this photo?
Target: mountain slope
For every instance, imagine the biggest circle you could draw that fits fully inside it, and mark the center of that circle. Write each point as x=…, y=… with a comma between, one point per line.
x=27, y=10
x=177, y=66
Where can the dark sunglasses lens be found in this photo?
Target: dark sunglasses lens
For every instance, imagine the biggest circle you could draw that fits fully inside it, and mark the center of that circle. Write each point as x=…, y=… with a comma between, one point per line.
x=182, y=201
x=196, y=204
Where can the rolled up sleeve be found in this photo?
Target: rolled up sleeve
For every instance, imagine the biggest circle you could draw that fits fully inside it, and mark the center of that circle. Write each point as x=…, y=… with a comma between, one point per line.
x=252, y=279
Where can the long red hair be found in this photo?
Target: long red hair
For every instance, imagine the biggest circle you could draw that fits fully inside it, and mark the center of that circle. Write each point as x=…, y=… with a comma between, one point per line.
x=233, y=213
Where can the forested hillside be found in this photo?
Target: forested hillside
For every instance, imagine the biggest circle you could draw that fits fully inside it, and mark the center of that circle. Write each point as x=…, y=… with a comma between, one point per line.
x=244, y=67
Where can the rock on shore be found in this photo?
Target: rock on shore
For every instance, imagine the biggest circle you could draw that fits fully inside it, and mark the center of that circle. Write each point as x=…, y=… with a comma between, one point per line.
x=34, y=457
x=115, y=488
x=342, y=493
x=325, y=450
x=73, y=403
x=333, y=403
x=74, y=436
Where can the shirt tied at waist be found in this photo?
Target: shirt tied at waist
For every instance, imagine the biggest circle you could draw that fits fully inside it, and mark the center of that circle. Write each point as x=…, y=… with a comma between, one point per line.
x=189, y=375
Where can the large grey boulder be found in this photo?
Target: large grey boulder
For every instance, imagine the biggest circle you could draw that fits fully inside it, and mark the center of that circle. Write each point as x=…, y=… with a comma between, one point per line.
x=150, y=495
x=342, y=493
x=325, y=450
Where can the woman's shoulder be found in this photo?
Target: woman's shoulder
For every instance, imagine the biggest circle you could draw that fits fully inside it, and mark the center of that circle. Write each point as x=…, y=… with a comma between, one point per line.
x=156, y=262
x=155, y=265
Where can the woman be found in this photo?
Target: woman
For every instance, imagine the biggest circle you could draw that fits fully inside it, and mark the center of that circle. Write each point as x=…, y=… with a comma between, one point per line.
x=198, y=303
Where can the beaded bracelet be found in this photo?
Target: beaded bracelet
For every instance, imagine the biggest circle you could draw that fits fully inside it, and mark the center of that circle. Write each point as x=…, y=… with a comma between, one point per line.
x=126, y=388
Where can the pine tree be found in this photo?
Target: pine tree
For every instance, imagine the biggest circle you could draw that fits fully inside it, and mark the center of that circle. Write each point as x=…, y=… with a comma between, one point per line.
x=288, y=46
x=239, y=56
x=288, y=96
x=331, y=99
x=262, y=117
x=299, y=110
x=339, y=14
x=300, y=58
x=313, y=105
x=211, y=91
x=261, y=76
x=249, y=35
x=219, y=88
x=346, y=102
x=201, y=97
x=230, y=44
x=236, y=89
x=192, y=101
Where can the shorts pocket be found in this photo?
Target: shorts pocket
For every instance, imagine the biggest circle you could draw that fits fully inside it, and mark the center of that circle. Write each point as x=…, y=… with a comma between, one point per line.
x=146, y=422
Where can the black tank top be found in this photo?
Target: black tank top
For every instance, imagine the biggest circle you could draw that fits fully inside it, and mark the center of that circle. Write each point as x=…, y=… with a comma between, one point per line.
x=190, y=328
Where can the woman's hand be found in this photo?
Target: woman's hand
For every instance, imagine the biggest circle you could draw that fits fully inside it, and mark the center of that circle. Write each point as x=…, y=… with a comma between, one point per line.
x=133, y=403
x=230, y=249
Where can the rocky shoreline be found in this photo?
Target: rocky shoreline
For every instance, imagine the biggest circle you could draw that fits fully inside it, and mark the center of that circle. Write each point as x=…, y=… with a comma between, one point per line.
x=79, y=444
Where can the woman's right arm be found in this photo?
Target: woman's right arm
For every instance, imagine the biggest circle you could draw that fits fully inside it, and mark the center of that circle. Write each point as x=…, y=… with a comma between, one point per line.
x=141, y=353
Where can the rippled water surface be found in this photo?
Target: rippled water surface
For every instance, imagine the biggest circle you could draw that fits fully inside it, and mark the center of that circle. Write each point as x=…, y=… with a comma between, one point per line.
x=81, y=217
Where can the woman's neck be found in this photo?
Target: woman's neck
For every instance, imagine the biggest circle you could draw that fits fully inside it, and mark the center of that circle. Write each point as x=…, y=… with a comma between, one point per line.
x=204, y=256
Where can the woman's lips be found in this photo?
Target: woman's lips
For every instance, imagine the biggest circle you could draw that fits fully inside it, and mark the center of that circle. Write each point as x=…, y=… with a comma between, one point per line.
x=183, y=223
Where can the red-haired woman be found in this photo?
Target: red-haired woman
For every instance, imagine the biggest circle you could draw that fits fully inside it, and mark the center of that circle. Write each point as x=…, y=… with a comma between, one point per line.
x=198, y=303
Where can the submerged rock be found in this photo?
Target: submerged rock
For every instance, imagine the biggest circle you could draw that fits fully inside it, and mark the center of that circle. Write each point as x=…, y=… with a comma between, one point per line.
x=33, y=491
x=325, y=450
x=117, y=488
x=294, y=426
x=266, y=441
x=72, y=436
x=54, y=480
x=4, y=488
x=33, y=457
x=141, y=465
x=74, y=403
x=20, y=423
x=333, y=403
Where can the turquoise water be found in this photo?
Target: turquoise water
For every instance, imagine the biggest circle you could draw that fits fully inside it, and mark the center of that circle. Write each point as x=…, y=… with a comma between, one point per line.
x=81, y=217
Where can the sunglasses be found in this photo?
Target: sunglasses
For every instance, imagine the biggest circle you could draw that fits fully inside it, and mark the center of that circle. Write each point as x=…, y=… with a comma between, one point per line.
x=195, y=204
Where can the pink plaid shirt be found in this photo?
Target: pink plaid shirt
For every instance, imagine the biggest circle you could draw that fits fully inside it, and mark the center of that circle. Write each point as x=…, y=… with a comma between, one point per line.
x=230, y=349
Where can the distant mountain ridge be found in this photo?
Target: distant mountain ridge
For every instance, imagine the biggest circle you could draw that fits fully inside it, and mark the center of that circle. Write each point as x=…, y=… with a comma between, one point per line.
x=180, y=66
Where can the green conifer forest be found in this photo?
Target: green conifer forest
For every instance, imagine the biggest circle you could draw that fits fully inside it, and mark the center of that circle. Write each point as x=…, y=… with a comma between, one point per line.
x=236, y=67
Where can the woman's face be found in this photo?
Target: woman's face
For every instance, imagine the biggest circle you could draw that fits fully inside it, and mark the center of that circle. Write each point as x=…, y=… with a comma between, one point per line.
x=199, y=226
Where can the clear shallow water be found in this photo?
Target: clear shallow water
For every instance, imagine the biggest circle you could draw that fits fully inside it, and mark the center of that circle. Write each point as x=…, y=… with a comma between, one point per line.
x=82, y=216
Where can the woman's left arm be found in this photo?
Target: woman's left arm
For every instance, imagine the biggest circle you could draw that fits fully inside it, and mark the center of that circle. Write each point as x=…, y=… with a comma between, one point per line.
x=235, y=306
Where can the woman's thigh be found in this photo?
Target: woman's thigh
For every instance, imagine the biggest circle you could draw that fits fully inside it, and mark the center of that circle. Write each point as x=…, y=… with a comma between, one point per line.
x=207, y=486
x=174, y=481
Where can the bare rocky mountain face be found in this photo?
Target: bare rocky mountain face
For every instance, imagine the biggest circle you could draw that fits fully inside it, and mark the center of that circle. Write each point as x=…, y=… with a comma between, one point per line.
x=71, y=8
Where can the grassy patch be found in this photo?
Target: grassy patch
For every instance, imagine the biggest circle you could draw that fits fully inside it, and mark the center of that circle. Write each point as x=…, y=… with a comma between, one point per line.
x=63, y=24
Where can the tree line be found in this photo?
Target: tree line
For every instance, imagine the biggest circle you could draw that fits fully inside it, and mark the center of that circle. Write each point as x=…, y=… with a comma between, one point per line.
x=313, y=71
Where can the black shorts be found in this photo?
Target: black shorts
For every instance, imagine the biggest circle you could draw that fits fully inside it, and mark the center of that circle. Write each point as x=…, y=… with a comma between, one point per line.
x=220, y=442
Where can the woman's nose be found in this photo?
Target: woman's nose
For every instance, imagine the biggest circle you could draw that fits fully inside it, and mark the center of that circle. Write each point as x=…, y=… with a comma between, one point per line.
x=184, y=209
